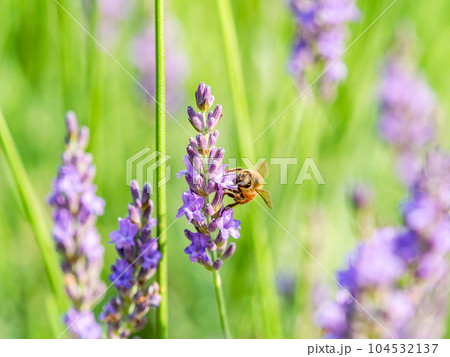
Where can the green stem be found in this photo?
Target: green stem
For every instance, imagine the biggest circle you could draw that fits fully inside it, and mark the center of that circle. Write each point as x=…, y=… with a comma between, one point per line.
x=161, y=209
x=94, y=75
x=34, y=214
x=221, y=304
x=264, y=267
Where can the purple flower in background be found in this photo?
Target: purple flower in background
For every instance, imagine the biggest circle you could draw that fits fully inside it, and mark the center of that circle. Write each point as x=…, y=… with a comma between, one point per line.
x=377, y=264
x=177, y=62
x=399, y=276
x=117, y=17
x=112, y=15
x=207, y=180
x=407, y=112
x=82, y=324
x=137, y=263
x=322, y=27
x=76, y=208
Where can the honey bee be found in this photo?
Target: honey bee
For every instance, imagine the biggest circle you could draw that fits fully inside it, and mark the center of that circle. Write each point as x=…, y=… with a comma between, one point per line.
x=249, y=184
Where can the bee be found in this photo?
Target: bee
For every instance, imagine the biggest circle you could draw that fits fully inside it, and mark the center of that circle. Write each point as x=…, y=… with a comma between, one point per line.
x=249, y=184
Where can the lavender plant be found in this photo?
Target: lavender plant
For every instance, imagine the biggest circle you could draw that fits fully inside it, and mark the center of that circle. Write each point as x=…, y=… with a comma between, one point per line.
x=407, y=111
x=322, y=27
x=137, y=264
x=203, y=203
x=76, y=208
x=394, y=275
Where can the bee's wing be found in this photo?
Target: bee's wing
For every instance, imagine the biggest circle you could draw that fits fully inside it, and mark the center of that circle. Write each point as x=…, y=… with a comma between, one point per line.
x=266, y=197
x=263, y=169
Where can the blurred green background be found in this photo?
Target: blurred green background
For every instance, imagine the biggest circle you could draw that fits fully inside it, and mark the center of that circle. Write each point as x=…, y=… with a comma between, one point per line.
x=49, y=65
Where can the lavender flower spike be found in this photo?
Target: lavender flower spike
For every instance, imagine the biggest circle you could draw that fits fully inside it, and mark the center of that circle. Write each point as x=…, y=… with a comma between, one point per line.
x=207, y=180
x=137, y=263
x=322, y=29
x=400, y=276
x=76, y=208
x=408, y=108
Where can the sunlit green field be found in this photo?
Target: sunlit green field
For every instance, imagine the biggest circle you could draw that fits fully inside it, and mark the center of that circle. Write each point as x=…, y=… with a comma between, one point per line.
x=48, y=65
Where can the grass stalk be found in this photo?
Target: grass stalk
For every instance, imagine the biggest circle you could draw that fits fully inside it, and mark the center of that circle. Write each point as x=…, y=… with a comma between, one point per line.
x=34, y=214
x=161, y=208
x=265, y=274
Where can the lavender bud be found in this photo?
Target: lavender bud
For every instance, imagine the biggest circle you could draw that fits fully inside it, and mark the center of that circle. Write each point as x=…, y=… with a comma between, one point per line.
x=362, y=197
x=219, y=155
x=219, y=240
x=193, y=143
x=206, y=262
x=212, y=170
x=210, y=188
x=195, y=119
x=217, y=264
x=199, y=93
x=146, y=193
x=212, y=227
x=146, y=233
x=212, y=139
x=211, y=246
x=72, y=124
x=135, y=191
x=229, y=252
x=134, y=214
x=202, y=144
x=209, y=210
x=191, y=152
x=83, y=139
x=218, y=199
x=147, y=214
x=128, y=253
x=197, y=163
x=214, y=118
x=203, y=97
x=212, y=154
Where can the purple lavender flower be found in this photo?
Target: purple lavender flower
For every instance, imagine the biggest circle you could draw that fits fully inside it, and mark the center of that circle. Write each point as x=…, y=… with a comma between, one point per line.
x=76, y=208
x=197, y=249
x=394, y=274
x=124, y=237
x=137, y=263
x=227, y=225
x=192, y=207
x=322, y=30
x=407, y=113
x=207, y=180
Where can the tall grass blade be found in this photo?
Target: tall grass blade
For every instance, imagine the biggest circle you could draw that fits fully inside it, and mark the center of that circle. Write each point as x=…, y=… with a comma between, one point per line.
x=34, y=214
x=265, y=273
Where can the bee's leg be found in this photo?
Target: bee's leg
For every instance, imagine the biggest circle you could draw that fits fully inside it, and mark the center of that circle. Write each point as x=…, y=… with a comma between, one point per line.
x=231, y=205
x=237, y=169
x=229, y=194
